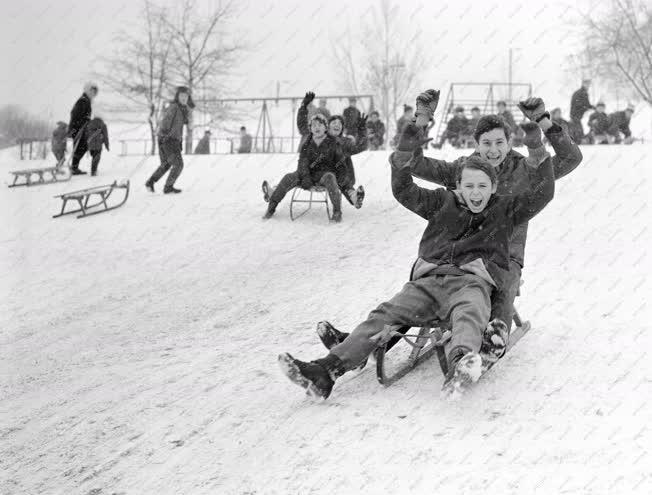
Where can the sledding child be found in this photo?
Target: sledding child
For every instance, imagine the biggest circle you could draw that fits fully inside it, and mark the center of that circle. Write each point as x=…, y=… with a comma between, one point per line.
x=59, y=145
x=319, y=160
x=463, y=257
x=98, y=135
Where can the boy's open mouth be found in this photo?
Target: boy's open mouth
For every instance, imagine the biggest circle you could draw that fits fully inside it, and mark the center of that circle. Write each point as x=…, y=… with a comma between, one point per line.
x=476, y=202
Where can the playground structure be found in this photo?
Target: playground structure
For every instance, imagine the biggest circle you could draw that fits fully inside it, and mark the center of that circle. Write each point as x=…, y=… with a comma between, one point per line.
x=485, y=96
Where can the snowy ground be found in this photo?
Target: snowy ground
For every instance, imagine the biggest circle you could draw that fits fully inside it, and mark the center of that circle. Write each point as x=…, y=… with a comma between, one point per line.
x=138, y=347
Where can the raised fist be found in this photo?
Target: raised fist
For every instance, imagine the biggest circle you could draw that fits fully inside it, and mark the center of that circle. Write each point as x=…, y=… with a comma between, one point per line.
x=362, y=123
x=427, y=103
x=412, y=138
x=534, y=109
x=308, y=98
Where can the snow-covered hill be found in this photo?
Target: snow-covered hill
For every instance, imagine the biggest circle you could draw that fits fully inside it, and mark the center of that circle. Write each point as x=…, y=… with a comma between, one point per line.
x=138, y=347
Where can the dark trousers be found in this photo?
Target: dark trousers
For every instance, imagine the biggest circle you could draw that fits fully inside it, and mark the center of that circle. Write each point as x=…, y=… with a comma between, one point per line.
x=502, y=301
x=96, y=156
x=291, y=180
x=169, y=151
x=577, y=130
x=464, y=299
x=80, y=150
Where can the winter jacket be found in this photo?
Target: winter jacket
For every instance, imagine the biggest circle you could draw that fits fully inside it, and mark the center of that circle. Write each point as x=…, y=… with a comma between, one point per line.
x=351, y=116
x=316, y=160
x=456, y=126
x=59, y=138
x=579, y=104
x=513, y=174
x=203, y=146
x=475, y=242
x=599, y=123
x=245, y=144
x=375, y=134
x=619, y=122
x=174, y=119
x=80, y=115
x=97, y=135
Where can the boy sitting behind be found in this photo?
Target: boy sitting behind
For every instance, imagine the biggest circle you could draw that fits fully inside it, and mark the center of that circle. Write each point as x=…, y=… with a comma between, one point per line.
x=463, y=256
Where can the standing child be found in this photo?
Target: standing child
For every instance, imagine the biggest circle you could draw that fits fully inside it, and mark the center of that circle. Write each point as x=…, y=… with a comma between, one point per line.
x=98, y=135
x=59, y=144
x=170, y=135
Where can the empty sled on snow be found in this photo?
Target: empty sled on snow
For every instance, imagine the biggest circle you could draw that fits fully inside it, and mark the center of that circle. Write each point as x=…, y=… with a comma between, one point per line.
x=318, y=195
x=45, y=175
x=83, y=196
x=426, y=342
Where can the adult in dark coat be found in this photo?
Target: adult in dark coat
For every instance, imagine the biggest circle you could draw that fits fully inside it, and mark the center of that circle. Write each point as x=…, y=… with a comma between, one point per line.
x=203, y=146
x=170, y=135
x=97, y=136
x=80, y=115
x=351, y=115
x=455, y=128
x=245, y=141
x=579, y=106
x=375, y=131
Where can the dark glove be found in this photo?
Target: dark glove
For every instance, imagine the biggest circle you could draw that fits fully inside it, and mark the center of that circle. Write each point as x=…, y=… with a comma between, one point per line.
x=412, y=138
x=532, y=137
x=534, y=109
x=427, y=103
x=362, y=123
x=307, y=100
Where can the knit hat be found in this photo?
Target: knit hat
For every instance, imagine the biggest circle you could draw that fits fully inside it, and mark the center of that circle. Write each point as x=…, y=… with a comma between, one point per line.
x=322, y=120
x=459, y=109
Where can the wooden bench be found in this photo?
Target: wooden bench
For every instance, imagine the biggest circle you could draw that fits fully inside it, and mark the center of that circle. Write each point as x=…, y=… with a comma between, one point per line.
x=83, y=196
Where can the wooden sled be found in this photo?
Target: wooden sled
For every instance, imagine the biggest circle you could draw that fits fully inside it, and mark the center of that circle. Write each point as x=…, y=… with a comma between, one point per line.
x=315, y=190
x=83, y=197
x=428, y=341
x=46, y=175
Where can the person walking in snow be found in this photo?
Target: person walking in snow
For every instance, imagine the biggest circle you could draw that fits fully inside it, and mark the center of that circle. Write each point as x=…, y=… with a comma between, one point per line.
x=80, y=116
x=204, y=146
x=170, y=137
x=579, y=106
x=98, y=136
x=59, y=144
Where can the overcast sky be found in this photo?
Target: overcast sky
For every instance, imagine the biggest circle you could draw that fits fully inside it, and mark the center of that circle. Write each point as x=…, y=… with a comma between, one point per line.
x=50, y=47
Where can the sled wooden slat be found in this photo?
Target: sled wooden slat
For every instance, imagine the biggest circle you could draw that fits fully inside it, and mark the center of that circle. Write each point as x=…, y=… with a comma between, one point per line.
x=56, y=174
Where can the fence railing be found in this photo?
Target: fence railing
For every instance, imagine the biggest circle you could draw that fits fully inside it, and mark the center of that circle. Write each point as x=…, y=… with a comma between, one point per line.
x=218, y=145
x=34, y=148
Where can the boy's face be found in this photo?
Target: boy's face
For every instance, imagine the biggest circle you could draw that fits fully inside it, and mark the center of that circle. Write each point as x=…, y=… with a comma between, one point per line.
x=183, y=98
x=317, y=128
x=556, y=115
x=476, y=189
x=501, y=108
x=493, y=146
x=373, y=117
x=335, y=127
x=475, y=113
x=409, y=113
x=600, y=109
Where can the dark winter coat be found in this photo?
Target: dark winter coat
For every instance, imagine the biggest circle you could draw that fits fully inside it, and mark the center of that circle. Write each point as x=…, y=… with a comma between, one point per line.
x=59, y=139
x=475, y=242
x=599, y=123
x=579, y=104
x=316, y=160
x=456, y=126
x=619, y=122
x=174, y=118
x=80, y=115
x=203, y=146
x=513, y=174
x=97, y=135
x=561, y=123
x=350, y=117
x=375, y=134
x=245, y=144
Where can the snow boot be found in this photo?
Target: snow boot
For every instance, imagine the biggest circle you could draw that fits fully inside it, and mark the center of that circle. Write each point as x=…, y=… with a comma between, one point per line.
x=76, y=171
x=316, y=377
x=329, y=335
x=359, y=197
x=149, y=185
x=271, y=208
x=266, y=193
x=171, y=190
x=464, y=368
x=494, y=340
x=337, y=217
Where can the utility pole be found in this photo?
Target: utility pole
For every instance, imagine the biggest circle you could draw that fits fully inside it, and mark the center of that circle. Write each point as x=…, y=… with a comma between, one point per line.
x=509, y=79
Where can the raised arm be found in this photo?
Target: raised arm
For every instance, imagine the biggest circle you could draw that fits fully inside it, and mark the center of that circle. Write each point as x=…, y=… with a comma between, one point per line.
x=542, y=189
x=567, y=154
x=302, y=114
x=424, y=202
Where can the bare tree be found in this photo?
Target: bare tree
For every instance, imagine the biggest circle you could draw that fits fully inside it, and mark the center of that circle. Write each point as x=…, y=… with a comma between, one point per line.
x=203, y=53
x=17, y=123
x=618, y=46
x=387, y=64
x=138, y=69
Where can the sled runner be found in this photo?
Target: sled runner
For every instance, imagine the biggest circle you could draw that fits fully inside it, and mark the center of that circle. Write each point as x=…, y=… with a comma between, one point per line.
x=428, y=341
x=83, y=197
x=322, y=197
x=46, y=175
